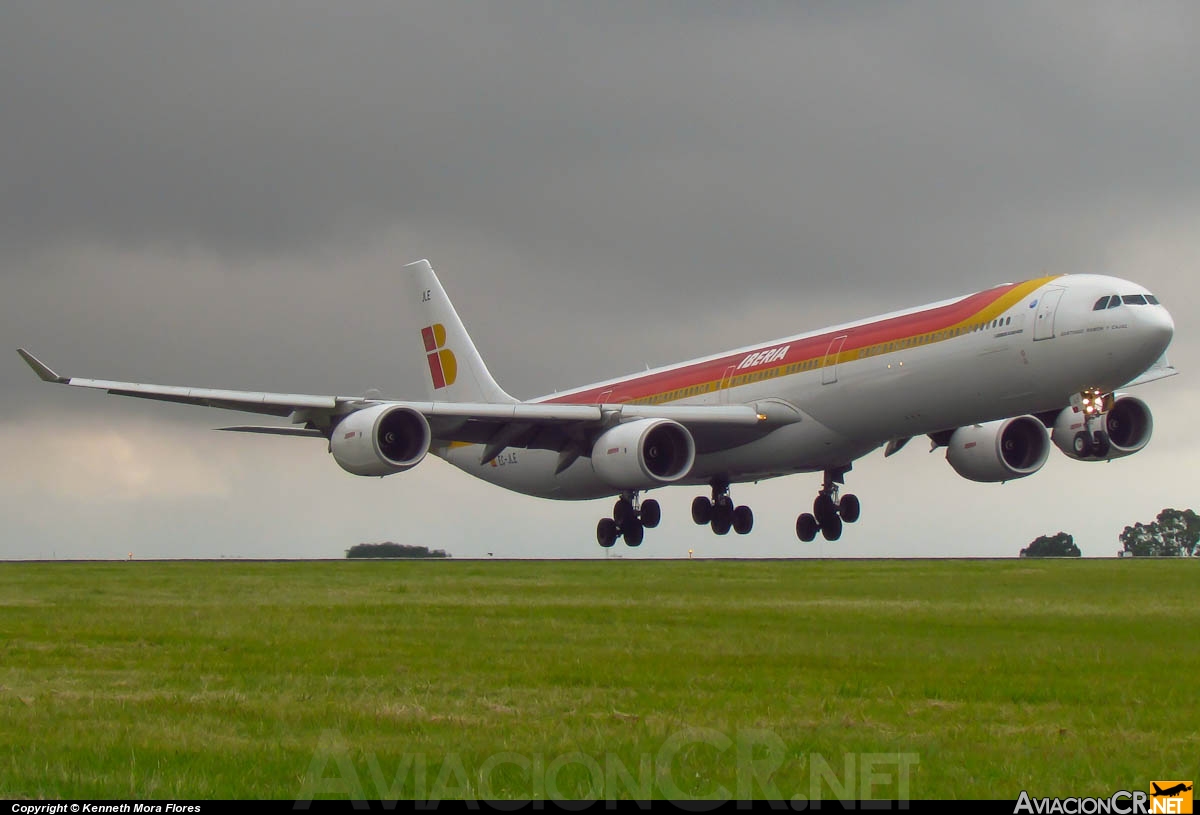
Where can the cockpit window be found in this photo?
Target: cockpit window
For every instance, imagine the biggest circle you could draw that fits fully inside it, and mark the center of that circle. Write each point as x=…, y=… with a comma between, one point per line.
x=1151, y=299
x=1114, y=301
x=1134, y=300
x=1101, y=304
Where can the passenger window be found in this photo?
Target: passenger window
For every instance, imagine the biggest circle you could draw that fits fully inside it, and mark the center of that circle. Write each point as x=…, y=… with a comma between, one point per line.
x=1101, y=304
x=1134, y=300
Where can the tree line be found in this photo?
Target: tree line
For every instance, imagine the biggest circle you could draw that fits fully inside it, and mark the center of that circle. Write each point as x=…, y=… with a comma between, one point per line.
x=1174, y=533
x=389, y=549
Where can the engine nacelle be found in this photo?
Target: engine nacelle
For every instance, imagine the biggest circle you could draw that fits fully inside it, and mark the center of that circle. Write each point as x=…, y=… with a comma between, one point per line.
x=380, y=440
x=999, y=451
x=644, y=453
x=1127, y=427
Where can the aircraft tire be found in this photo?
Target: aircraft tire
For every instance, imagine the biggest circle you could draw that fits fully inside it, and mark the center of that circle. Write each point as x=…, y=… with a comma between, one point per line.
x=743, y=520
x=721, y=523
x=807, y=528
x=651, y=513
x=824, y=510
x=849, y=508
x=606, y=532
x=1100, y=445
x=832, y=530
x=702, y=510
x=623, y=512
x=633, y=532
x=1081, y=444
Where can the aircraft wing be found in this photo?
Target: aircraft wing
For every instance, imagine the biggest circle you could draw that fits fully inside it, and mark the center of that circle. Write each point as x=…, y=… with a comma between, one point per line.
x=519, y=424
x=1161, y=369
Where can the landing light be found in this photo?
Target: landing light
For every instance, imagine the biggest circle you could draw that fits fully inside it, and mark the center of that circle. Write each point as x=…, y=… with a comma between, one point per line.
x=1093, y=402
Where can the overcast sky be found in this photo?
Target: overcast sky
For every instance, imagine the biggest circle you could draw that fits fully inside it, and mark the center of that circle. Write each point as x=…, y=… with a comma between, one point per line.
x=222, y=194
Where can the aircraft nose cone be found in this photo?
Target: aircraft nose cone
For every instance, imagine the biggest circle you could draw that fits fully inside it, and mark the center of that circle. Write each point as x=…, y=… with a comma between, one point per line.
x=1161, y=328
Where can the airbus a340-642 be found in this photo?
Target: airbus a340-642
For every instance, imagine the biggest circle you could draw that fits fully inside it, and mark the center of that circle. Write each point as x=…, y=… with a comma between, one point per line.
x=996, y=378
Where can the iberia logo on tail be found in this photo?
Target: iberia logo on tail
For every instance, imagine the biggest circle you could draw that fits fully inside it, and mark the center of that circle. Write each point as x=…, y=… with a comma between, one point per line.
x=443, y=367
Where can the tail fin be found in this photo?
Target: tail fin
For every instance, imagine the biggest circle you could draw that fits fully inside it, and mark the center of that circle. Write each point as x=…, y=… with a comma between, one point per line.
x=456, y=371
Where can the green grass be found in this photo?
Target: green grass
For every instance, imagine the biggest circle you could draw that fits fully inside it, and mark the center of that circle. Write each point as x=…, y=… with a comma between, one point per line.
x=522, y=679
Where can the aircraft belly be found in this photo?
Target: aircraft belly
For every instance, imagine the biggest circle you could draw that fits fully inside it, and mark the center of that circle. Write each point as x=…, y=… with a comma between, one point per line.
x=532, y=472
x=802, y=447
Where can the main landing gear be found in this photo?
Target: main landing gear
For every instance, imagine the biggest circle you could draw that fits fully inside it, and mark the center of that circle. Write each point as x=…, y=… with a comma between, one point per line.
x=630, y=520
x=829, y=510
x=720, y=513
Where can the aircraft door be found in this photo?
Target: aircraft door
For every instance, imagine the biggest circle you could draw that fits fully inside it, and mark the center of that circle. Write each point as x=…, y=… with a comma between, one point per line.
x=726, y=381
x=1043, y=323
x=829, y=366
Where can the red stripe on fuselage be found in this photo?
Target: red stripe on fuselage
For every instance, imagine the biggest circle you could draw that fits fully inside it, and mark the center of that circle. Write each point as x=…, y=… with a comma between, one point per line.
x=807, y=349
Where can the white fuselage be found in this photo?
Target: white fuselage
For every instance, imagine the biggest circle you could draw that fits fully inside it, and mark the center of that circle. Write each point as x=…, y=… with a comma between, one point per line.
x=1013, y=350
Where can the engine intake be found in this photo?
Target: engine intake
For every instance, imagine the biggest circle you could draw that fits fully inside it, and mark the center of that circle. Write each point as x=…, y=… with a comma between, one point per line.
x=1127, y=427
x=1000, y=450
x=643, y=453
x=380, y=440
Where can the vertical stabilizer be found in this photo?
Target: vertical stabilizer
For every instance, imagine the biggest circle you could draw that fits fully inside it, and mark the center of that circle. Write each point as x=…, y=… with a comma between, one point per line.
x=454, y=371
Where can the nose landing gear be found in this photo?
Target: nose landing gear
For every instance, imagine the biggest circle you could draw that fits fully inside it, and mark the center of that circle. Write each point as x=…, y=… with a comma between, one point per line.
x=1092, y=441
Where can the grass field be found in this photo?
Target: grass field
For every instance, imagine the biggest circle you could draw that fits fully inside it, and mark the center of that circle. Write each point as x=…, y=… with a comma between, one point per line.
x=946, y=679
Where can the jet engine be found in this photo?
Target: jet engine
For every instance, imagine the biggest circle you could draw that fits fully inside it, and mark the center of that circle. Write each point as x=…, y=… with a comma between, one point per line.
x=1126, y=429
x=644, y=453
x=380, y=440
x=1000, y=450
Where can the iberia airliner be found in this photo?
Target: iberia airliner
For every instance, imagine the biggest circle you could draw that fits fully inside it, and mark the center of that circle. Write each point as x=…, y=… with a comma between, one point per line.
x=996, y=378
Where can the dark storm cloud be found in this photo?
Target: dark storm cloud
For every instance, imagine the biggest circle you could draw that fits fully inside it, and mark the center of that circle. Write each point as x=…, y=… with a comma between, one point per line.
x=628, y=130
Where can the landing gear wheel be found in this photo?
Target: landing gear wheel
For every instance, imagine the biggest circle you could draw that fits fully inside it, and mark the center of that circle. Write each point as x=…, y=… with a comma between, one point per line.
x=606, y=532
x=1081, y=444
x=824, y=509
x=722, y=515
x=849, y=508
x=623, y=512
x=702, y=510
x=651, y=513
x=1100, y=444
x=633, y=532
x=743, y=520
x=833, y=529
x=807, y=528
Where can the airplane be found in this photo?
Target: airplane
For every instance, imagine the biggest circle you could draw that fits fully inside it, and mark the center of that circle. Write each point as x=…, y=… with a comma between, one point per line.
x=1169, y=792
x=996, y=378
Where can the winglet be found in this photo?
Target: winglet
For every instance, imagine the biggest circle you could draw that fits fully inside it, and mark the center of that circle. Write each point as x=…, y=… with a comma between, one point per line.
x=42, y=369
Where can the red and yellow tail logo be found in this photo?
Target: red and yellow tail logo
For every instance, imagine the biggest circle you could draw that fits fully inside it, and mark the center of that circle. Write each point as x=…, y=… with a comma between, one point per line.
x=443, y=367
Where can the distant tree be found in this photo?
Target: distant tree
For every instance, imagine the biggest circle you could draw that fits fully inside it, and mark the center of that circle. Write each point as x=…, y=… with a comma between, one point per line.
x=389, y=549
x=1174, y=533
x=1181, y=528
x=1060, y=545
x=1142, y=540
